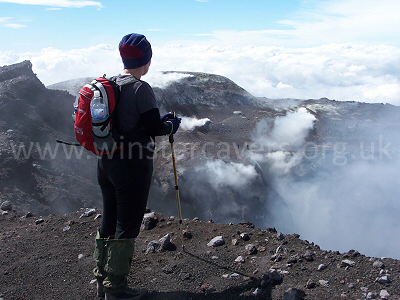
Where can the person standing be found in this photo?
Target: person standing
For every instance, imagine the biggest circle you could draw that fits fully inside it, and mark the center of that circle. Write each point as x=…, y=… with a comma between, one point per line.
x=125, y=177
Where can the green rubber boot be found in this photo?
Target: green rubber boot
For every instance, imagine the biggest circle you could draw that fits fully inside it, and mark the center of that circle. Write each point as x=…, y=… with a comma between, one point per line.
x=118, y=264
x=100, y=253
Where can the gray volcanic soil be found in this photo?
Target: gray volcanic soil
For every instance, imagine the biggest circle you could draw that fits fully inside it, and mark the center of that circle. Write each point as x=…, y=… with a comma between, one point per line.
x=42, y=261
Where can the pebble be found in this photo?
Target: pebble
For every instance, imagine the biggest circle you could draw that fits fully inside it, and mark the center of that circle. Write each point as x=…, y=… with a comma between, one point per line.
x=321, y=267
x=383, y=279
x=371, y=295
x=308, y=256
x=239, y=259
x=250, y=249
x=347, y=263
x=6, y=205
x=310, y=284
x=280, y=236
x=323, y=283
x=66, y=228
x=217, y=241
x=384, y=294
x=257, y=292
x=245, y=236
x=378, y=264
x=89, y=212
x=80, y=256
x=273, y=275
x=293, y=294
x=97, y=217
x=37, y=222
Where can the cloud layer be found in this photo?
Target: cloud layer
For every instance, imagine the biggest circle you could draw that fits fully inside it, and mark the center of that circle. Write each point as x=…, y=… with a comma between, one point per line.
x=336, y=71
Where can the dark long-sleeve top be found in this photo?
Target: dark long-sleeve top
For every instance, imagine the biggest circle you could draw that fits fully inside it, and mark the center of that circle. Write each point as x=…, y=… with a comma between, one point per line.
x=137, y=113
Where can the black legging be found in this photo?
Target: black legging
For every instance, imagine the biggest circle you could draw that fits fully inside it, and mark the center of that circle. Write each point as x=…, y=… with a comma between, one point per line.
x=125, y=184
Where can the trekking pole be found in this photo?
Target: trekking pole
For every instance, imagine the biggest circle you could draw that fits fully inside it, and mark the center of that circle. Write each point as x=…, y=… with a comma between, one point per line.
x=178, y=201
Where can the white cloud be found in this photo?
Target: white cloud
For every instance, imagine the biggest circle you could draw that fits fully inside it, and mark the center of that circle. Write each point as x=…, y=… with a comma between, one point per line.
x=4, y=19
x=14, y=25
x=57, y=3
x=336, y=71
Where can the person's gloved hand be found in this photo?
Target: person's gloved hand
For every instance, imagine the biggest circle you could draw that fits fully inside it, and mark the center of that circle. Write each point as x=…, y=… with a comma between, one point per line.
x=175, y=124
x=167, y=116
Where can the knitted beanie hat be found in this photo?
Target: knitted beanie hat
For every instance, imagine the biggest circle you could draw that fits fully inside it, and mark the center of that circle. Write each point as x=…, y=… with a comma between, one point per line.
x=135, y=51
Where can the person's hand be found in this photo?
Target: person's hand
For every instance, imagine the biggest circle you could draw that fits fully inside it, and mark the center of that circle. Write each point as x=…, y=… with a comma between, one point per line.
x=168, y=116
x=175, y=124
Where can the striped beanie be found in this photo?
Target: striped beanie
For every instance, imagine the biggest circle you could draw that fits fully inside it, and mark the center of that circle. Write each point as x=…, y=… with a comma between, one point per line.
x=135, y=51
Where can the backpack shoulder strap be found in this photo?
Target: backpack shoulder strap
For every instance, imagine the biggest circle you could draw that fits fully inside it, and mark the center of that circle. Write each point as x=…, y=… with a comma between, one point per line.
x=124, y=81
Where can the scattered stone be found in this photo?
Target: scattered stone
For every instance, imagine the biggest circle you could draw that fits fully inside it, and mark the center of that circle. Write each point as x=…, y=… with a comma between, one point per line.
x=257, y=292
x=364, y=289
x=93, y=281
x=217, y=241
x=250, y=249
x=6, y=205
x=371, y=295
x=152, y=247
x=293, y=294
x=89, y=212
x=187, y=234
x=273, y=275
x=97, y=217
x=308, y=256
x=293, y=259
x=149, y=221
x=321, y=267
x=384, y=294
x=164, y=242
x=310, y=284
x=383, y=279
x=233, y=275
x=347, y=263
x=280, y=236
x=240, y=259
x=38, y=221
x=66, y=228
x=378, y=264
x=168, y=269
x=245, y=236
x=80, y=256
x=4, y=213
x=350, y=285
x=160, y=245
x=196, y=219
x=323, y=283
x=262, y=249
x=29, y=215
x=235, y=242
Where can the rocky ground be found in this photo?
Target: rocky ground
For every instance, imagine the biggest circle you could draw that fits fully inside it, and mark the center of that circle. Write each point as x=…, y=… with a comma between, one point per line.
x=51, y=258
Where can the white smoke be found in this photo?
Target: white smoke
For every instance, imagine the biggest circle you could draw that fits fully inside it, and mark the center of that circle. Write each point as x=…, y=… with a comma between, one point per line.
x=339, y=203
x=163, y=79
x=221, y=175
x=189, y=123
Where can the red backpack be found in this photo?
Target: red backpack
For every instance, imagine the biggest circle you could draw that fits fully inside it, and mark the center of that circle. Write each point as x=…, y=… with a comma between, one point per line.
x=97, y=133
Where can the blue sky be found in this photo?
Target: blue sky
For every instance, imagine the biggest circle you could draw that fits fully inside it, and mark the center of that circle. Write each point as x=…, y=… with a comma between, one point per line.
x=32, y=27
x=340, y=49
